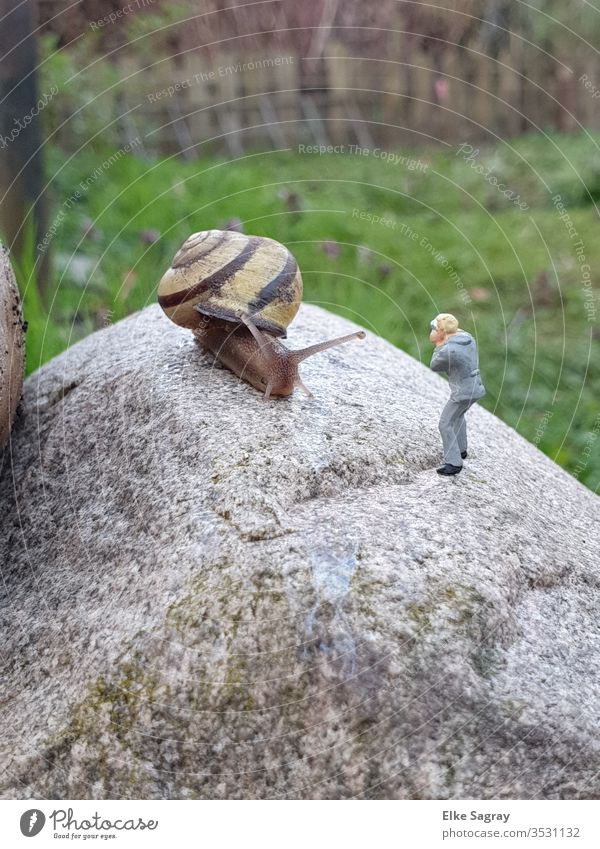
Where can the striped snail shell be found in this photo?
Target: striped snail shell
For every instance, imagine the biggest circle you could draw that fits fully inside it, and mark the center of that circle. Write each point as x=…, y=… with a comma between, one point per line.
x=224, y=274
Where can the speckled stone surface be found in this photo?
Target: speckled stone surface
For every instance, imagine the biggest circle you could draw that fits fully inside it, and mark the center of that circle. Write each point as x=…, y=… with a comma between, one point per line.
x=209, y=596
x=11, y=347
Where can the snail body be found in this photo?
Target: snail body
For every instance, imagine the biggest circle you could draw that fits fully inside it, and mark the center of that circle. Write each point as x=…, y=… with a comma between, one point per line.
x=238, y=294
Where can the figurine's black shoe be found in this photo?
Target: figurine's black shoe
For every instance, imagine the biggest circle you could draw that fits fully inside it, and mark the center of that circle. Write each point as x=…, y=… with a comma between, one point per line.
x=448, y=469
x=463, y=454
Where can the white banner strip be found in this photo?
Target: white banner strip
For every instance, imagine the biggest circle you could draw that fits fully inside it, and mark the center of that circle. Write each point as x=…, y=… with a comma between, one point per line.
x=351, y=824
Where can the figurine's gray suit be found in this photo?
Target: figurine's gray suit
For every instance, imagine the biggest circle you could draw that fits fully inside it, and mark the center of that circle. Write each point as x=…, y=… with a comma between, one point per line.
x=457, y=357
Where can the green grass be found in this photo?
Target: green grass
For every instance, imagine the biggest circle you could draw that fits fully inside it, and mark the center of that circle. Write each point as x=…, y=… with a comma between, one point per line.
x=517, y=281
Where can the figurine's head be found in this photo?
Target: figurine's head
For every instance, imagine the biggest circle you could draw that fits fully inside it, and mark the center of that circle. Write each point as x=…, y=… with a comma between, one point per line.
x=443, y=325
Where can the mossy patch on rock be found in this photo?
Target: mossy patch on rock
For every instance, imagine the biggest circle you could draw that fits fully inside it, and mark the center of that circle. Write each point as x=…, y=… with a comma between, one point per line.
x=207, y=596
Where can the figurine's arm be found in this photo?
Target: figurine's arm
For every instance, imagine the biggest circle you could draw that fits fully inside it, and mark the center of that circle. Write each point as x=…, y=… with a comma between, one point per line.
x=440, y=359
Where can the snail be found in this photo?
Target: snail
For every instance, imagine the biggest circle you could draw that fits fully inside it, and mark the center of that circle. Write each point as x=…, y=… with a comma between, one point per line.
x=238, y=294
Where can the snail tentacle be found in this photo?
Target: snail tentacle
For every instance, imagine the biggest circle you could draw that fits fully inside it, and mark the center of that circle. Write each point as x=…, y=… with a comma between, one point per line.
x=303, y=353
x=303, y=386
x=263, y=340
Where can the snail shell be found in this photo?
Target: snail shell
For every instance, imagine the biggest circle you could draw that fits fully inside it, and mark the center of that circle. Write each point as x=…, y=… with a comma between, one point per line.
x=224, y=275
x=237, y=293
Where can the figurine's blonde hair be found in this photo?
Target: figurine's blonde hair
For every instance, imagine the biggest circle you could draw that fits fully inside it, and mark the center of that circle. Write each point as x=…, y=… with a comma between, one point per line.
x=447, y=322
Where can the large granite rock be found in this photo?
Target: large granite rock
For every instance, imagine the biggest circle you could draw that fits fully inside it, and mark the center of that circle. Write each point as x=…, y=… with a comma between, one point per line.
x=11, y=347
x=206, y=595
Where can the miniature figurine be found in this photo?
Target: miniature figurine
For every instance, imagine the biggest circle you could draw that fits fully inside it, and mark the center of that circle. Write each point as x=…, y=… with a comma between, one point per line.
x=455, y=354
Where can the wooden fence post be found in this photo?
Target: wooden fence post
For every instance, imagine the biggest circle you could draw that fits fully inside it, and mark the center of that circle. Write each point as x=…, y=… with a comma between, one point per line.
x=21, y=171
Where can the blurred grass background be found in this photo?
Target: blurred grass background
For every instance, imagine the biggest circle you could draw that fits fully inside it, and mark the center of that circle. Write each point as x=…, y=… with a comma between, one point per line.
x=385, y=244
x=510, y=275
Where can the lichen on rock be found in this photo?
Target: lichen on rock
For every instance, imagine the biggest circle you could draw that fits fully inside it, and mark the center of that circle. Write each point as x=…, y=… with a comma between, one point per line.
x=207, y=596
